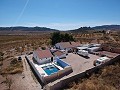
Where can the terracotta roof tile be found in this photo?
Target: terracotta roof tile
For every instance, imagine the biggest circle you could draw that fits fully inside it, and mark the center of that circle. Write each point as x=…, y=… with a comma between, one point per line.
x=43, y=53
x=75, y=44
x=65, y=44
x=69, y=44
x=58, y=53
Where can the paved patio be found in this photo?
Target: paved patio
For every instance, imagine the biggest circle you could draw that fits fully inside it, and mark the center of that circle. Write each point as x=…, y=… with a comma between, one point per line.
x=79, y=64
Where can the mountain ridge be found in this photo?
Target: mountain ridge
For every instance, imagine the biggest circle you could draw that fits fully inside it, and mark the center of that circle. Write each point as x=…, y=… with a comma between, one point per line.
x=107, y=27
x=23, y=28
x=45, y=29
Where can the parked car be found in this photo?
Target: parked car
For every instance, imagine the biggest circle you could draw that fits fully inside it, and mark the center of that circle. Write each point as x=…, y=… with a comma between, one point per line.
x=19, y=58
x=30, y=53
x=83, y=53
x=101, y=60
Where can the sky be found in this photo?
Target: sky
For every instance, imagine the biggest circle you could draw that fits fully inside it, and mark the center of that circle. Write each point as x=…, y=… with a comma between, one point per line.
x=59, y=14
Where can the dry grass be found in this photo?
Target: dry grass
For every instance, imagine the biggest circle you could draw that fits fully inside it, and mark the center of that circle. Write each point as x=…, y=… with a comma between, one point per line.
x=104, y=38
x=1, y=63
x=106, y=79
x=8, y=42
x=14, y=67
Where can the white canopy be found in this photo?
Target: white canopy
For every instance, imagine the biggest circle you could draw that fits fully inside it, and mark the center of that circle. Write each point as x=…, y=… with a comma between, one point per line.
x=81, y=48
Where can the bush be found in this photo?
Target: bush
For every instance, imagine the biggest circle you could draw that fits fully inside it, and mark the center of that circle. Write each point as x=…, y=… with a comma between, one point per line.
x=1, y=53
x=43, y=48
x=14, y=61
x=58, y=37
x=1, y=63
x=17, y=70
x=15, y=67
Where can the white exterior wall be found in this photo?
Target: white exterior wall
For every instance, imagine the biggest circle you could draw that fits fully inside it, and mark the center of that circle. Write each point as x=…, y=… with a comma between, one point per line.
x=69, y=49
x=35, y=56
x=44, y=60
x=41, y=77
x=59, y=46
x=62, y=56
x=41, y=61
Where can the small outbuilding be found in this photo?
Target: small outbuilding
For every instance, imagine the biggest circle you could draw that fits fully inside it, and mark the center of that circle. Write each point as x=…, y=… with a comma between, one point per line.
x=59, y=54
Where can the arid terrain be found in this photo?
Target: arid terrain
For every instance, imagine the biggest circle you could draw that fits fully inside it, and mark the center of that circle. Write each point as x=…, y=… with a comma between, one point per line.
x=16, y=75
x=107, y=78
x=48, y=44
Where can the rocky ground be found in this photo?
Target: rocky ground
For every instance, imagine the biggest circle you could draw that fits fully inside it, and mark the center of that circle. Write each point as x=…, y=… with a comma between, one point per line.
x=20, y=81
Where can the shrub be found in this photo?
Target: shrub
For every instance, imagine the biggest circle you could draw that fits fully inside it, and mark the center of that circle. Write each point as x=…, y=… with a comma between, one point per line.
x=43, y=48
x=15, y=67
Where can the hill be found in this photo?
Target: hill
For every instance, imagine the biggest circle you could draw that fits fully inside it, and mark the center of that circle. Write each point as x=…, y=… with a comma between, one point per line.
x=88, y=29
x=107, y=27
x=45, y=29
x=81, y=30
x=21, y=28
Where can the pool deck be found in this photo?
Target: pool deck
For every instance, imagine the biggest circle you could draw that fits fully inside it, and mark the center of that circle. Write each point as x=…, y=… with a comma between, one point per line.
x=39, y=67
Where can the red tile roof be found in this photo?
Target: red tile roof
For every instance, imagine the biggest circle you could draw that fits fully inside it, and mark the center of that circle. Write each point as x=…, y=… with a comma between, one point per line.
x=69, y=44
x=58, y=53
x=75, y=44
x=65, y=44
x=43, y=53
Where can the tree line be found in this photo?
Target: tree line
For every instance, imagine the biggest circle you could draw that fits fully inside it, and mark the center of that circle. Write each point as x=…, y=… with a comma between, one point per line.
x=59, y=37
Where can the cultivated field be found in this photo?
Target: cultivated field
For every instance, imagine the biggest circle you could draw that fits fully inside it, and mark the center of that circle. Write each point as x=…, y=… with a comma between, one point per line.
x=93, y=37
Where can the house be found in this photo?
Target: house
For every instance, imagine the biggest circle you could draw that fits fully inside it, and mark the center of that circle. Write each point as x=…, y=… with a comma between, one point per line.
x=64, y=46
x=68, y=46
x=59, y=54
x=42, y=56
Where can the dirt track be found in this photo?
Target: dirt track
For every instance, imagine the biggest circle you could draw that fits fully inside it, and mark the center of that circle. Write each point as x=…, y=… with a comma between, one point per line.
x=24, y=81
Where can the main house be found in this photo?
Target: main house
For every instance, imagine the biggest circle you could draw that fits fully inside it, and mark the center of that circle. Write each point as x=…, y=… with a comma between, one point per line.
x=42, y=56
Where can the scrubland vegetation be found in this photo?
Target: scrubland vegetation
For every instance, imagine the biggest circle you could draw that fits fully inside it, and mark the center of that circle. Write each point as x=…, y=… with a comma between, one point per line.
x=107, y=78
x=111, y=39
x=15, y=45
x=14, y=67
x=8, y=42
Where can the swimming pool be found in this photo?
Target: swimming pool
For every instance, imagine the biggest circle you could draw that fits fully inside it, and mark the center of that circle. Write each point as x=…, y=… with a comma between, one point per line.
x=50, y=69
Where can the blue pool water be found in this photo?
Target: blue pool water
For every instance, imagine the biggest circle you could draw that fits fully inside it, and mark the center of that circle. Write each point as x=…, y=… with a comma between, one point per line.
x=50, y=69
